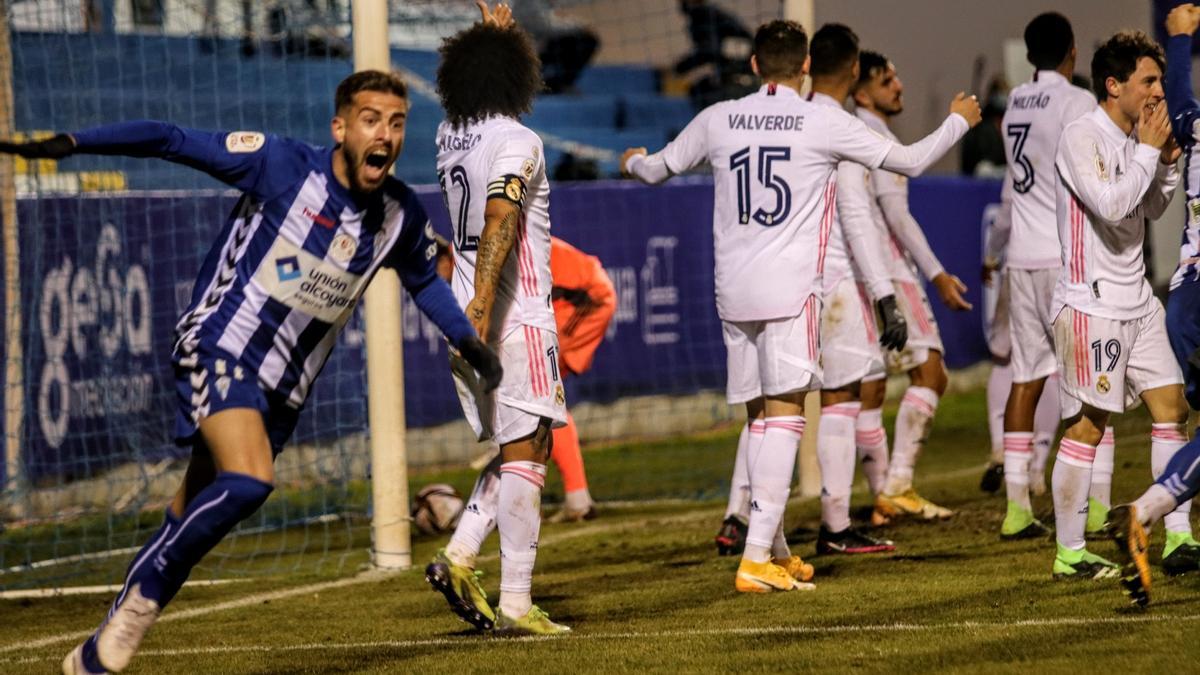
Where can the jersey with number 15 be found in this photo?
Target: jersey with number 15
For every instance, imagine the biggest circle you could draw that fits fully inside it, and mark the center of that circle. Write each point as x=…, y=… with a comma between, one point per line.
x=1037, y=112
x=499, y=158
x=774, y=156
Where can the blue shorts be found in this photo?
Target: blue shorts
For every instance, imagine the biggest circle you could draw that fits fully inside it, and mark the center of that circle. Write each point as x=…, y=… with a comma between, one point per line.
x=216, y=382
x=1183, y=330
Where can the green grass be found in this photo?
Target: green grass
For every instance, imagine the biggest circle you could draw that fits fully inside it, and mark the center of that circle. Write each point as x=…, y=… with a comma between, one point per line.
x=645, y=592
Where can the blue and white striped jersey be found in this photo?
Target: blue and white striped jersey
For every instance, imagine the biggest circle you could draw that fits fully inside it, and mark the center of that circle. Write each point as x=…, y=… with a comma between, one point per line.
x=299, y=249
x=1185, y=114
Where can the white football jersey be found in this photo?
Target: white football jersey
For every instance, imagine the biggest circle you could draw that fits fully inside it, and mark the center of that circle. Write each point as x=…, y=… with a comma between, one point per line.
x=773, y=156
x=1037, y=112
x=1108, y=185
x=499, y=158
x=906, y=241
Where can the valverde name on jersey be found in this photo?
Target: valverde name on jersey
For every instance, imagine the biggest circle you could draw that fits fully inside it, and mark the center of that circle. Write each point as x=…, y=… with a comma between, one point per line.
x=766, y=122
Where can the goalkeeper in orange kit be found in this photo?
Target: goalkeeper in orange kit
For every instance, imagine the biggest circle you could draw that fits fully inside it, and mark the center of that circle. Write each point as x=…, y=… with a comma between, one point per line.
x=584, y=304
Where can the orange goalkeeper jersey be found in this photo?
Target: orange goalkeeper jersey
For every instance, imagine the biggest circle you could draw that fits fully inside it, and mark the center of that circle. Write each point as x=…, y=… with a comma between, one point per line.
x=584, y=303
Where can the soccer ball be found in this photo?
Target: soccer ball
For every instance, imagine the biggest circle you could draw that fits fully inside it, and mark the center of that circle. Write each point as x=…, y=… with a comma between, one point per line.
x=437, y=508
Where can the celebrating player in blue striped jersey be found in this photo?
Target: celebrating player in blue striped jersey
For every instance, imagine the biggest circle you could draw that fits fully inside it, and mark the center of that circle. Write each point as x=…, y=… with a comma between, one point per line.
x=282, y=279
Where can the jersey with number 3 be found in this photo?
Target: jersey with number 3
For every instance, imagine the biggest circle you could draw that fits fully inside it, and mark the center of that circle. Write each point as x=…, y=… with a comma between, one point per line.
x=1037, y=112
x=499, y=158
x=773, y=156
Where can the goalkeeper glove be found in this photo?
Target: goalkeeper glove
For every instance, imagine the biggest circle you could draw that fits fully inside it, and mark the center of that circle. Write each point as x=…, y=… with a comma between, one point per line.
x=895, y=329
x=483, y=360
x=57, y=147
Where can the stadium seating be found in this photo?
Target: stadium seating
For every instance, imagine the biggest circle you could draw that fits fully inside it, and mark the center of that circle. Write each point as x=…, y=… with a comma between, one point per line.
x=64, y=81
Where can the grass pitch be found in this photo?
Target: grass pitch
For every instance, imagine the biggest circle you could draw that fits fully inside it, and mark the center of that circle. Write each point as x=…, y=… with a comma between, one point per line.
x=644, y=590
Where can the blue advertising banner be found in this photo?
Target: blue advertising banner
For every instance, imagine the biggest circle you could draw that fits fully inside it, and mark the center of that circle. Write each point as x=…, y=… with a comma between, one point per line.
x=104, y=278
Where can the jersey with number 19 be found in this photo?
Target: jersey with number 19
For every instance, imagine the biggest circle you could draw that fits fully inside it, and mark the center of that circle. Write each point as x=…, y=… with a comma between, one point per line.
x=499, y=158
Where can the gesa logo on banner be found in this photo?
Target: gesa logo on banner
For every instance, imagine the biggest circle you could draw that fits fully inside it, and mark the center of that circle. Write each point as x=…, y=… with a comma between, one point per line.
x=86, y=315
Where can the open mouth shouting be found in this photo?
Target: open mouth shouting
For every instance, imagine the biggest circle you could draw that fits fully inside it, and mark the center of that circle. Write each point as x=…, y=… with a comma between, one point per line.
x=375, y=166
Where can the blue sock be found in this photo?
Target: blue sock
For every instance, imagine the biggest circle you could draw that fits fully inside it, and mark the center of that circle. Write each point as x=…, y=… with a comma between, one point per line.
x=139, y=562
x=1182, y=476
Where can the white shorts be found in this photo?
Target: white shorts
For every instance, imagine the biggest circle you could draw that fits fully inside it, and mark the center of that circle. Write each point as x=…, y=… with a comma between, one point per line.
x=1030, y=299
x=849, y=337
x=923, y=335
x=1107, y=363
x=530, y=389
x=775, y=357
x=996, y=313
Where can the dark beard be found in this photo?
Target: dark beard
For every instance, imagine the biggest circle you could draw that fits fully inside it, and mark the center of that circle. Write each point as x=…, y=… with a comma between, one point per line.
x=352, y=163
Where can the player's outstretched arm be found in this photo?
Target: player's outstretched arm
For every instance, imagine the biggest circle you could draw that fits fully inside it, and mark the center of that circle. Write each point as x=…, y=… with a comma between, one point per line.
x=57, y=147
x=913, y=160
x=687, y=151
x=1184, y=110
x=858, y=227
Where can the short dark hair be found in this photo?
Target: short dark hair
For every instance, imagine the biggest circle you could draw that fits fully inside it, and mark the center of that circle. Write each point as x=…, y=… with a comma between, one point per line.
x=870, y=64
x=780, y=48
x=486, y=70
x=368, y=80
x=1118, y=58
x=834, y=50
x=1048, y=40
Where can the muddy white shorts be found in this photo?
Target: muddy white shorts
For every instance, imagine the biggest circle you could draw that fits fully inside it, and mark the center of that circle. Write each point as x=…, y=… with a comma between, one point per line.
x=1108, y=363
x=923, y=335
x=530, y=389
x=850, y=349
x=1030, y=293
x=775, y=357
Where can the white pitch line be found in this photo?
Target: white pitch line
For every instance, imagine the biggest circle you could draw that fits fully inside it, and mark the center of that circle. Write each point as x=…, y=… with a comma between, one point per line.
x=749, y=631
x=375, y=575
x=93, y=590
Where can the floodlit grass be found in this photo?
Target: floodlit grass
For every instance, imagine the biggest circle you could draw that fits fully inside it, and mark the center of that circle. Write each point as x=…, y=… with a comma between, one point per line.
x=645, y=591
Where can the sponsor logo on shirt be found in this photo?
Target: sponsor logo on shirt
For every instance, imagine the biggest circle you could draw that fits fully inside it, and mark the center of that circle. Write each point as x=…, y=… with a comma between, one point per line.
x=319, y=219
x=243, y=142
x=287, y=268
x=308, y=283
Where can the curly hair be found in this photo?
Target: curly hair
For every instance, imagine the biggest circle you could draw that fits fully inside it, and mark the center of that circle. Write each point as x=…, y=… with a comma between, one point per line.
x=487, y=71
x=368, y=80
x=1118, y=58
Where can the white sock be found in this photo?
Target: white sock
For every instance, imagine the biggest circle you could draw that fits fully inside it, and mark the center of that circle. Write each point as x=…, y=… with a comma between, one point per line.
x=770, y=483
x=871, y=441
x=1069, y=484
x=1018, y=452
x=739, y=483
x=779, y=547
x=913, y=422
x=1102, y=468
x=1046, y=420
x=1155, y=503
x=998, y=385
x=478, y=518
x=836, y=457
x=1165, y=441
x=519, y=519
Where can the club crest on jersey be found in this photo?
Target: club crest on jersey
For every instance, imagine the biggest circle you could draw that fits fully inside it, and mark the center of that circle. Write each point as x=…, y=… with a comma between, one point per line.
x=560, y=397
x=343, y=247
x=244, y=141
x=527, y=169
x=1102, y=384
x=1101, y=170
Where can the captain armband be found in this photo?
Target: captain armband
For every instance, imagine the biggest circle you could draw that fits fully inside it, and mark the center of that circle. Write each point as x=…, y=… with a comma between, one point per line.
x=509, y=186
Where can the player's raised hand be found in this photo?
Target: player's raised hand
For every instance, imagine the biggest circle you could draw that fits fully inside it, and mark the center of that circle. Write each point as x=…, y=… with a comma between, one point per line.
x=629, y=152
x=967, y=107
x=57, y=147
x=950, y=288
x=1154, y=128
x=1183, y=20
x=501, y=16
x=1171, y=150
x=483, y=360
x=894, y=334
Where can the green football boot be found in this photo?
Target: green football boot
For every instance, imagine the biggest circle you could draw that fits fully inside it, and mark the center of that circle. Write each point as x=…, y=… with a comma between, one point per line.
x=1083, y=564
x=535, y=622
x=1019, y=523
x=1097, y=517
x=1181, y=554
x=460, y=584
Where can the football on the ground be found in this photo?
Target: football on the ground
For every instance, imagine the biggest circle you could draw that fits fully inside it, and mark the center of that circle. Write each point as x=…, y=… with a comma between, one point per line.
x=437, y=508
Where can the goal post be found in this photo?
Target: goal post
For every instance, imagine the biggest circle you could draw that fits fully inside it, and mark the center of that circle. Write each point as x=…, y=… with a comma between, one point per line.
x=391, y=546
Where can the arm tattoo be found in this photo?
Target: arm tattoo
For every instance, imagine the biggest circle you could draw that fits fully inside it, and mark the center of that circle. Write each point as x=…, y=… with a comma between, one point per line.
x=495, y=242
